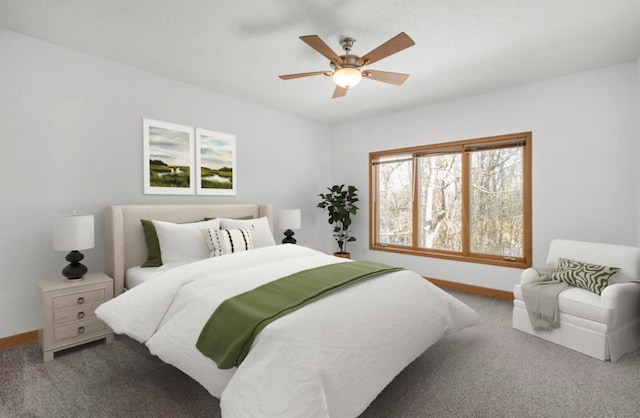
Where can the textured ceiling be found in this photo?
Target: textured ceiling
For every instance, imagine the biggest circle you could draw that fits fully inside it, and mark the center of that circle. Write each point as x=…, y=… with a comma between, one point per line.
x=239, y=47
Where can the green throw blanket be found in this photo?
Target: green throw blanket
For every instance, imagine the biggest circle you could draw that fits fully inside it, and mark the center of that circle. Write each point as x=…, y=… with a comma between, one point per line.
x=227, y=336
x=541, y=300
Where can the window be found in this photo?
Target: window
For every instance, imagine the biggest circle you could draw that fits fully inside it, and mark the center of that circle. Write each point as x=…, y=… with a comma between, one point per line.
x=465, y=200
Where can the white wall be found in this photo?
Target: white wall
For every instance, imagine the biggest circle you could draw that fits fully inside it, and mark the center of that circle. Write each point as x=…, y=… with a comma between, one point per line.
x=585, y=164
x=71, y=139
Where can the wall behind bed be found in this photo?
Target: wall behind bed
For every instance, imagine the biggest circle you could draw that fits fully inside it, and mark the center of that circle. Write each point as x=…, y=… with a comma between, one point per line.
x=71, y=136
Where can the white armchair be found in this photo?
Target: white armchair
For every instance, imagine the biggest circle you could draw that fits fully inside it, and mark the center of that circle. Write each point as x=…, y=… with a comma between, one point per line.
x=605, y=326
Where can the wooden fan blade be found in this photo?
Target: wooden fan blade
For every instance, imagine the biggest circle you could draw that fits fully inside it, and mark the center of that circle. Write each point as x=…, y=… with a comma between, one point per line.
x=318, y=44
x=300, y=75
x=339, y=92
x=386, y=77
x=396, y=44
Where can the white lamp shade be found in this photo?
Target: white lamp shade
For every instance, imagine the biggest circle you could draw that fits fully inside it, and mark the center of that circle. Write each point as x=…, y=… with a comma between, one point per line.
x=289, y=219
x=347, y=77
x=73, y=232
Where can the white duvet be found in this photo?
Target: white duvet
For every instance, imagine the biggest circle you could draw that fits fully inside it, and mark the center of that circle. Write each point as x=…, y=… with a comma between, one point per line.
x=328, y=359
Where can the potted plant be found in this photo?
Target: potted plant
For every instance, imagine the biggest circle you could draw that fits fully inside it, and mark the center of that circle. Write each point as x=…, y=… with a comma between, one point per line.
x=339, y=203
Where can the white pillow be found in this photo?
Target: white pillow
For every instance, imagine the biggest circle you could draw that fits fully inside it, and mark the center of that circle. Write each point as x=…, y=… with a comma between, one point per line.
x=183, y=242
x=262, y=236
x=228, y=241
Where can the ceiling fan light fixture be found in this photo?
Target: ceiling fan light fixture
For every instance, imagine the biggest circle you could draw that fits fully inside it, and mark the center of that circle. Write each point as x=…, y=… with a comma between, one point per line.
x=347, y=77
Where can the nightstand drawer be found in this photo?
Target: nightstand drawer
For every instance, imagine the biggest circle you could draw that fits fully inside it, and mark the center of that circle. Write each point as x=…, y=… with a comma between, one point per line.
x=78, y=329
x=84, y=311
x=79, y=298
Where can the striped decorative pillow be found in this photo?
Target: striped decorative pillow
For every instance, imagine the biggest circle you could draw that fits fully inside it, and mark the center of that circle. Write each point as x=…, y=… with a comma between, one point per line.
x=228, y=241
x=592, y=277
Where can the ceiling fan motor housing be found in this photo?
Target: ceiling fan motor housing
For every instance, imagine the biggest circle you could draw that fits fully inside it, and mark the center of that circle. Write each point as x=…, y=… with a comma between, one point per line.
x=347, y=43
x=348, y=61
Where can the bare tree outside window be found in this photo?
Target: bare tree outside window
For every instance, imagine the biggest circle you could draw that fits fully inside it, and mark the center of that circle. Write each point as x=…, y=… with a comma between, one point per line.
x=465, y=200
x=395, y=199
x=440, y=206
x=496, y=216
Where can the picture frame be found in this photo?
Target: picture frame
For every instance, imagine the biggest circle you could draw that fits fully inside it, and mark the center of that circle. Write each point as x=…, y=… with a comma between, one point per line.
x=216, y=166
x=168, y=153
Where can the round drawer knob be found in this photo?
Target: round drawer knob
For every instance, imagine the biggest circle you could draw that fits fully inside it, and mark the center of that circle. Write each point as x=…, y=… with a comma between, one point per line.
x=80, y=300
x=80, y=330
x=80, y=315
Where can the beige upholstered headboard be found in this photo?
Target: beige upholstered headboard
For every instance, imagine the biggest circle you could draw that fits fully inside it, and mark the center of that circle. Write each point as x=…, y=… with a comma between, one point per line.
x=125, y=243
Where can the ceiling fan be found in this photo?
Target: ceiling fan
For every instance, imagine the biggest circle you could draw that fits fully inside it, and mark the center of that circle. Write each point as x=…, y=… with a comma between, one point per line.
x=346, y=70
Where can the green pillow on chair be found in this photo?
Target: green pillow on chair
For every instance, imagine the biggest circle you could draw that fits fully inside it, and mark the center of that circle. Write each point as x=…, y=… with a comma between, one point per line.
x=592, y=277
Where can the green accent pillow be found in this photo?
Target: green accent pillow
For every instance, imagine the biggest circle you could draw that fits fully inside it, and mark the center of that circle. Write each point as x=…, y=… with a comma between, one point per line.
x=592, y=277
x=154, y=256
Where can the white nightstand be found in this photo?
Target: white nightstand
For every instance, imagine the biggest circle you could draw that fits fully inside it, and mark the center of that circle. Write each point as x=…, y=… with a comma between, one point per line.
x=67, y=310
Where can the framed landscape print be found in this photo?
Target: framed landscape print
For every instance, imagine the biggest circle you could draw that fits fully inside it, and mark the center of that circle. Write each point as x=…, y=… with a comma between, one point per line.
x=168, y=158
x=215, y=163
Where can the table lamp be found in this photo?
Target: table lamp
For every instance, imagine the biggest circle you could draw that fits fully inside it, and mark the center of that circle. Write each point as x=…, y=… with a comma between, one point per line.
x=73, y=233
x=289, y=219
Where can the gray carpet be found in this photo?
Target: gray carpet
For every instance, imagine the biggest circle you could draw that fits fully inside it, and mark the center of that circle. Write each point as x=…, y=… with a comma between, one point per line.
x=486, y=371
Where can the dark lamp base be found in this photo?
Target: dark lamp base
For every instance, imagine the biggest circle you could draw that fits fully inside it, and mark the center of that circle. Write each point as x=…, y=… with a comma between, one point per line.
x=288, y=237
x=75, y=270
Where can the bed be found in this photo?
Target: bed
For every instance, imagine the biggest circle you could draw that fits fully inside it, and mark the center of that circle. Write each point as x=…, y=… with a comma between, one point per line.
x=329, y=358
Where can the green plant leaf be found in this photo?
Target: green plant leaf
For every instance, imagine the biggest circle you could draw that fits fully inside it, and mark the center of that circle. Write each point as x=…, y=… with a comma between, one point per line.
x=339, y=204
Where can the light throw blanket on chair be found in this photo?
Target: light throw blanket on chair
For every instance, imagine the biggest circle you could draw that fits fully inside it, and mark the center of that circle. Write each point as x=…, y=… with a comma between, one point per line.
x=541, y=299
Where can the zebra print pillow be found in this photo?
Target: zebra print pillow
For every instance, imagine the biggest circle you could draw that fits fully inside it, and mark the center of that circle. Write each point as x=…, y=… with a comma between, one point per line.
x=228, y=241
x=592, y=277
